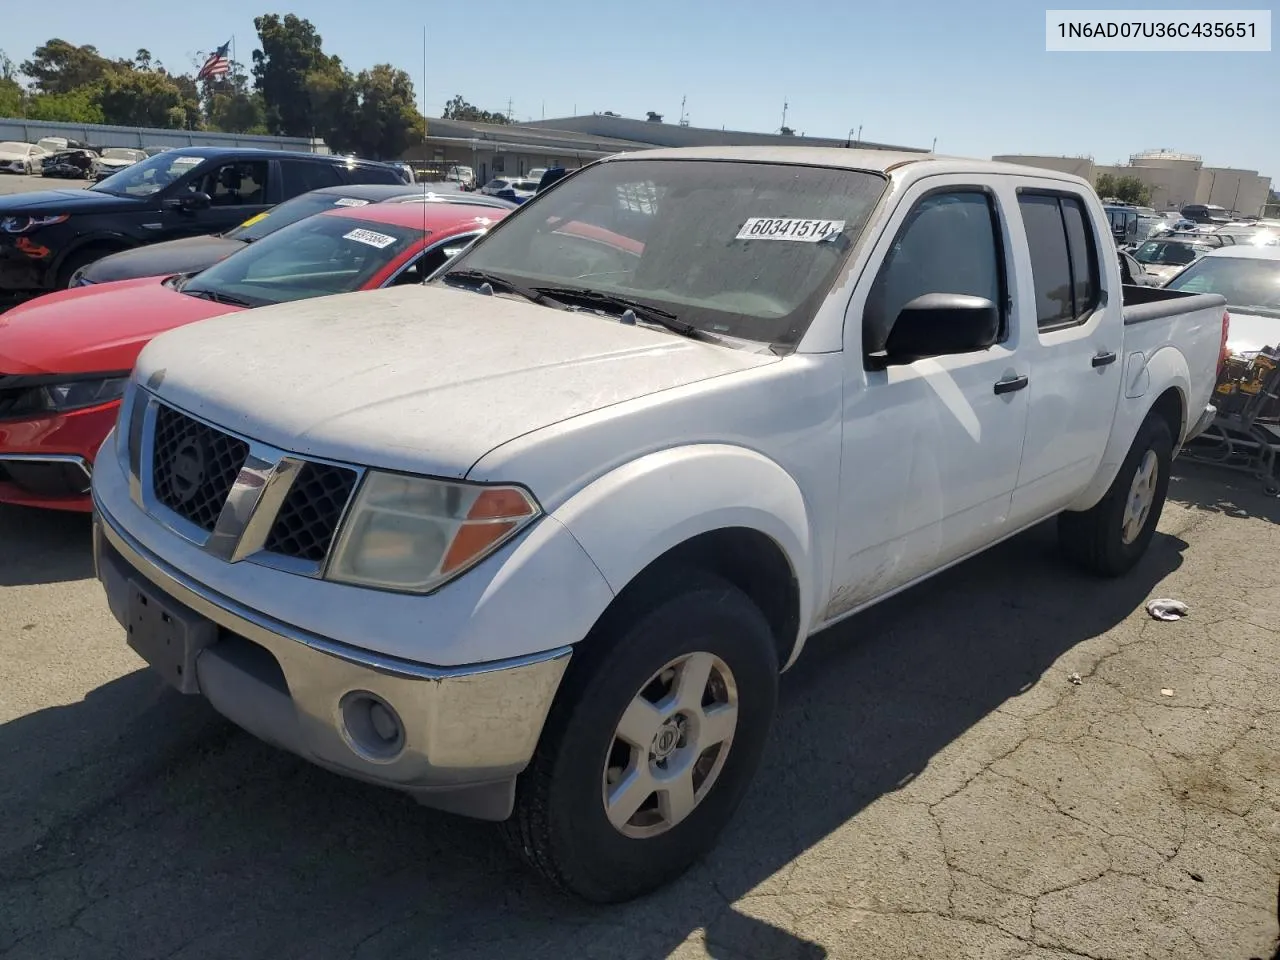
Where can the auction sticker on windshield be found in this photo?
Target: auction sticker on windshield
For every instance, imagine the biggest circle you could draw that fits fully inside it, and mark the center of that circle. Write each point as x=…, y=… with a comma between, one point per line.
x=379, y=240
x=349, y=202
x=790, y=228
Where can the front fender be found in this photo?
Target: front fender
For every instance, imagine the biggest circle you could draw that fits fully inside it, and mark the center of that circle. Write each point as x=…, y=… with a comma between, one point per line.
x=633, y=515
x=1145, y=381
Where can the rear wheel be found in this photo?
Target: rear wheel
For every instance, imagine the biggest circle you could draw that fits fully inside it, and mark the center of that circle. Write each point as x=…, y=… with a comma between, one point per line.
x=652, y=743
x=1112, y=536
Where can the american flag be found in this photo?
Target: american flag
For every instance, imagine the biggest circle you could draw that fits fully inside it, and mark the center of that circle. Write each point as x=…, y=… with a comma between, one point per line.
x=218, y=64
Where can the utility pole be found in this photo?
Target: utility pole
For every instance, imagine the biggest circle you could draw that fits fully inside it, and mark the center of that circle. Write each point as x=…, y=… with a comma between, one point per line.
x=508, y=109
x=683, y=121
x=784, y=113
x=934, y=148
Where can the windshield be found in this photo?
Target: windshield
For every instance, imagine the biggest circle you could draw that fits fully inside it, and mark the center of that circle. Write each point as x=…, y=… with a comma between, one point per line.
x=291, y=211
x=745, y=250
x=1250, y=286
x=313, y=257
x=1166, y=253
x=149, y=176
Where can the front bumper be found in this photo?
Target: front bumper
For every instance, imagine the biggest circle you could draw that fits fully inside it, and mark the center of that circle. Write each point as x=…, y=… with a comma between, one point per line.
x=464, y=732
x=47, y=461
x=1203, y=423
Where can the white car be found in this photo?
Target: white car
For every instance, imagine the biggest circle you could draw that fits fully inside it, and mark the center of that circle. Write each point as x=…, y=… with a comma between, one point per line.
x=24, y=158
x=1248, y=277
x=534, y=541
x=114, y=159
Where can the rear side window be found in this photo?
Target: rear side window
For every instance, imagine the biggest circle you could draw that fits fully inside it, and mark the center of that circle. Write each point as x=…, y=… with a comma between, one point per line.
x=949, y=243
x=300, y=177
x=369, y=173
x=1064, y=258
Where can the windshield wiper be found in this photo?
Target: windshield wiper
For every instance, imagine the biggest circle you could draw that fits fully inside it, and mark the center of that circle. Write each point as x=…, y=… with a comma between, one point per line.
x=499, y=283
x=216, y=297
x=641, y=311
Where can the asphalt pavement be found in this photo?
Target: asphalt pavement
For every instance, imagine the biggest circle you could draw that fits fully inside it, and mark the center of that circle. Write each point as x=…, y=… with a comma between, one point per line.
x=936, y=785
x=16, y=183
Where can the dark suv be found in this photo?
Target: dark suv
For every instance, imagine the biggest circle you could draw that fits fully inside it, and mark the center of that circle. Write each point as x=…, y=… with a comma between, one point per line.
x=48, y=235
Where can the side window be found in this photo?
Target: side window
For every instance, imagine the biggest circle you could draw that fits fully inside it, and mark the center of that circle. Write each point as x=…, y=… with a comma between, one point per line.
x=299, y=176
x=432, y=260
x=1064, y=259
x=949, y=244
x=236, y=184
x=365, y=173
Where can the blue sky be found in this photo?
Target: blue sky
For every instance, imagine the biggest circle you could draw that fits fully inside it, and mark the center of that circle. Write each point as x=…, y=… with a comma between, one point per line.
x=975, y=76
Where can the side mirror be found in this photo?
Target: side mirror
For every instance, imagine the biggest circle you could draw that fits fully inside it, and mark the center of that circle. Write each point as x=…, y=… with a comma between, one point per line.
x=195, y=200
x=937, y=324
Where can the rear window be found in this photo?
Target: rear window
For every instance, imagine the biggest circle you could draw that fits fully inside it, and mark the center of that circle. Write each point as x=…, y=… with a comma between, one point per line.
x=1064, y=259
x=291, y=211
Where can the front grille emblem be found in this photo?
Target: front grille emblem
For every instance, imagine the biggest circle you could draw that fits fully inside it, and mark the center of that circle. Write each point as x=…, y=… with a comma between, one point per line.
x=187, y=470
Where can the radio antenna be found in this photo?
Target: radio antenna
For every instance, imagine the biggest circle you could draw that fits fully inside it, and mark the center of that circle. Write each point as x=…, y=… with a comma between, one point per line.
x=422, y=257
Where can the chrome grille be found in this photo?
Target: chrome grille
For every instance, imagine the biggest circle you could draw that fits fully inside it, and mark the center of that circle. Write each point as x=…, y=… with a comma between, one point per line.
x=193, y=466
x=309, y=517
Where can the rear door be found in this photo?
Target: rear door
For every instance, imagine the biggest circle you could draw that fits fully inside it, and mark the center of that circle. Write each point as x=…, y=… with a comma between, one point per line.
x=1074, y=354
x=302, y=176
x=930, y=448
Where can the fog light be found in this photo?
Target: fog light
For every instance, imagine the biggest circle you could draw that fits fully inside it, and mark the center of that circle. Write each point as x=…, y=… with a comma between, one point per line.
x=371, y=726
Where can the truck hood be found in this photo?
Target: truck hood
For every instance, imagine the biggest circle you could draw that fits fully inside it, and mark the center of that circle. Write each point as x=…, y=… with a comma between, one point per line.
x=421, y=379
x=66, y=201
x=1250, y=332
x=96, y=329
x=162, y=259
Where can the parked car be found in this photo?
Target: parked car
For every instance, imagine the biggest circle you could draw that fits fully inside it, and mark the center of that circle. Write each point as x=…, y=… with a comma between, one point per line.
x=1205, y=213
x=517, y=191
x=65, y=358
x=1248, y=277
x=462, y=175
x=24, y=158
x=1164, y=256
x=536, y=173
x=1124, y=222
x=47, y=236
x=69, y=164
x=196, y=253
x=534, y=542
x=406, y=171
x=496, y=184
x=54, y=144
x=115, y=159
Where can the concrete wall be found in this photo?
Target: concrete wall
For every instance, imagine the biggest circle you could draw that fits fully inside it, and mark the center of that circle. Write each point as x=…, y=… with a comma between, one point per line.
x=1241, y=190
x=30, y=131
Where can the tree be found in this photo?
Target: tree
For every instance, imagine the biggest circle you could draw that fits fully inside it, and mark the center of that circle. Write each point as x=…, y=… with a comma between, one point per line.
x=291, y=52
x=61, y=67
x=1132, y=190
x=459, y=109
x=1105, y=184
x=383, y=120
x=138, y=98
x=78, y=106
x=12, y=96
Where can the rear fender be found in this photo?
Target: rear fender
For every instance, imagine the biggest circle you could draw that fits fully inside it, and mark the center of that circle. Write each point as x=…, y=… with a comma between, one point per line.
x=633, y=515
x=1144, y=383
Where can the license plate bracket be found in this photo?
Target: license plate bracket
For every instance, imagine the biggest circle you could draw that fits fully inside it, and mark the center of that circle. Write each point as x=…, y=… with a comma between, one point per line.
x=168, y=636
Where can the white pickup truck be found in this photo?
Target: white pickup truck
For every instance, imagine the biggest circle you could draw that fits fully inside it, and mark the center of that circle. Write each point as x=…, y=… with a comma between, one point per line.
x=533, y=541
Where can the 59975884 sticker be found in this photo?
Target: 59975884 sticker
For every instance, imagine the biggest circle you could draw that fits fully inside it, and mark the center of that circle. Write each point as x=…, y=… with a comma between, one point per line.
x=790, y=228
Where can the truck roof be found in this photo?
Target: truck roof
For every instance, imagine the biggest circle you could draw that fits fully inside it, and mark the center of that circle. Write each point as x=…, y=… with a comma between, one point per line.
x=875, y=161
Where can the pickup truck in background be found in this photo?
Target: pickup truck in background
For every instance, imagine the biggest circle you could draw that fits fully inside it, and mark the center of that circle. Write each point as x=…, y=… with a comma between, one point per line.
x=532, y=542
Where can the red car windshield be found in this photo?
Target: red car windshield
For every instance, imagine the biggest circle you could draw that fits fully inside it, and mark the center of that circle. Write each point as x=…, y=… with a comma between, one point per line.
x=315, y=257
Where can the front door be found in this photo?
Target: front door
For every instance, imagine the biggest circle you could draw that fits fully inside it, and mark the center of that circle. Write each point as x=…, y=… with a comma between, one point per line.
x=237, y=190
x=930, y=448
x=1074, y=357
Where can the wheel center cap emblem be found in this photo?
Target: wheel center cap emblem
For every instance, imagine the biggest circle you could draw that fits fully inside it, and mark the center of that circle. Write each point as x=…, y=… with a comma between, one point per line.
x=664, y=744
x=187, y=471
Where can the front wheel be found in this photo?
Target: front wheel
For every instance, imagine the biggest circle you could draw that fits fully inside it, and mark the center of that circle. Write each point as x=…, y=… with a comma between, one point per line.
x=1112, y=536
x=652, y=743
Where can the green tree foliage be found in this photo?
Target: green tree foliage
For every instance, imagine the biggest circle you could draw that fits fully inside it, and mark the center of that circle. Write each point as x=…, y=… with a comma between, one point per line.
x=284, y=69
x=138, y=98
x=12, y=96
x=1105, y=185
x=459, y=109
x=383, y=119
x=1132, y=190
x=78, y=106
x=61, y=67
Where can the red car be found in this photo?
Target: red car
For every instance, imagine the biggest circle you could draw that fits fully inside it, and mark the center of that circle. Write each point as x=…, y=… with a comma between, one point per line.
x=65, y=358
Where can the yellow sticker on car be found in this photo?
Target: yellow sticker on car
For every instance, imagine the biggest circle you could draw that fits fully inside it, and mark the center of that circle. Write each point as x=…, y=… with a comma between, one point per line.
x=254, y=219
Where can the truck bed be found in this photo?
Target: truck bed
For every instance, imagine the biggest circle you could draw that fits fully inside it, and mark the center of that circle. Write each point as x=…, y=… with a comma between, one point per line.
x=1153, y=303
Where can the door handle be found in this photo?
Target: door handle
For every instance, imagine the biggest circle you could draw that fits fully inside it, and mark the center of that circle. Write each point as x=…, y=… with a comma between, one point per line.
x=1011, y=385
x=1103, y=359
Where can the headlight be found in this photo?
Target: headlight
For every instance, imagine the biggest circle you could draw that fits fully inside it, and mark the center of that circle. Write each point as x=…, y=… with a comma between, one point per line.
x=414, y=534
x=78, y=394
x=27, y=224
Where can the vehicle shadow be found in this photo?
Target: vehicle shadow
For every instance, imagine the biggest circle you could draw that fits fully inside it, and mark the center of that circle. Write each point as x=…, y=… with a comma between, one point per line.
x=153, y=829
x=44, y=546
x=1211, y=489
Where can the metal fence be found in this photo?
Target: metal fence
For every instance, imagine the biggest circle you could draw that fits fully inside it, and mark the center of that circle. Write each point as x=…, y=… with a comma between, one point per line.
x=103, y=135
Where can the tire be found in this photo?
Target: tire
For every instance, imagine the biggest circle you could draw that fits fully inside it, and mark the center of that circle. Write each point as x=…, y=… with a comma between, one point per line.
x=76, y=260
x=1108, y=539
x=560, y=825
